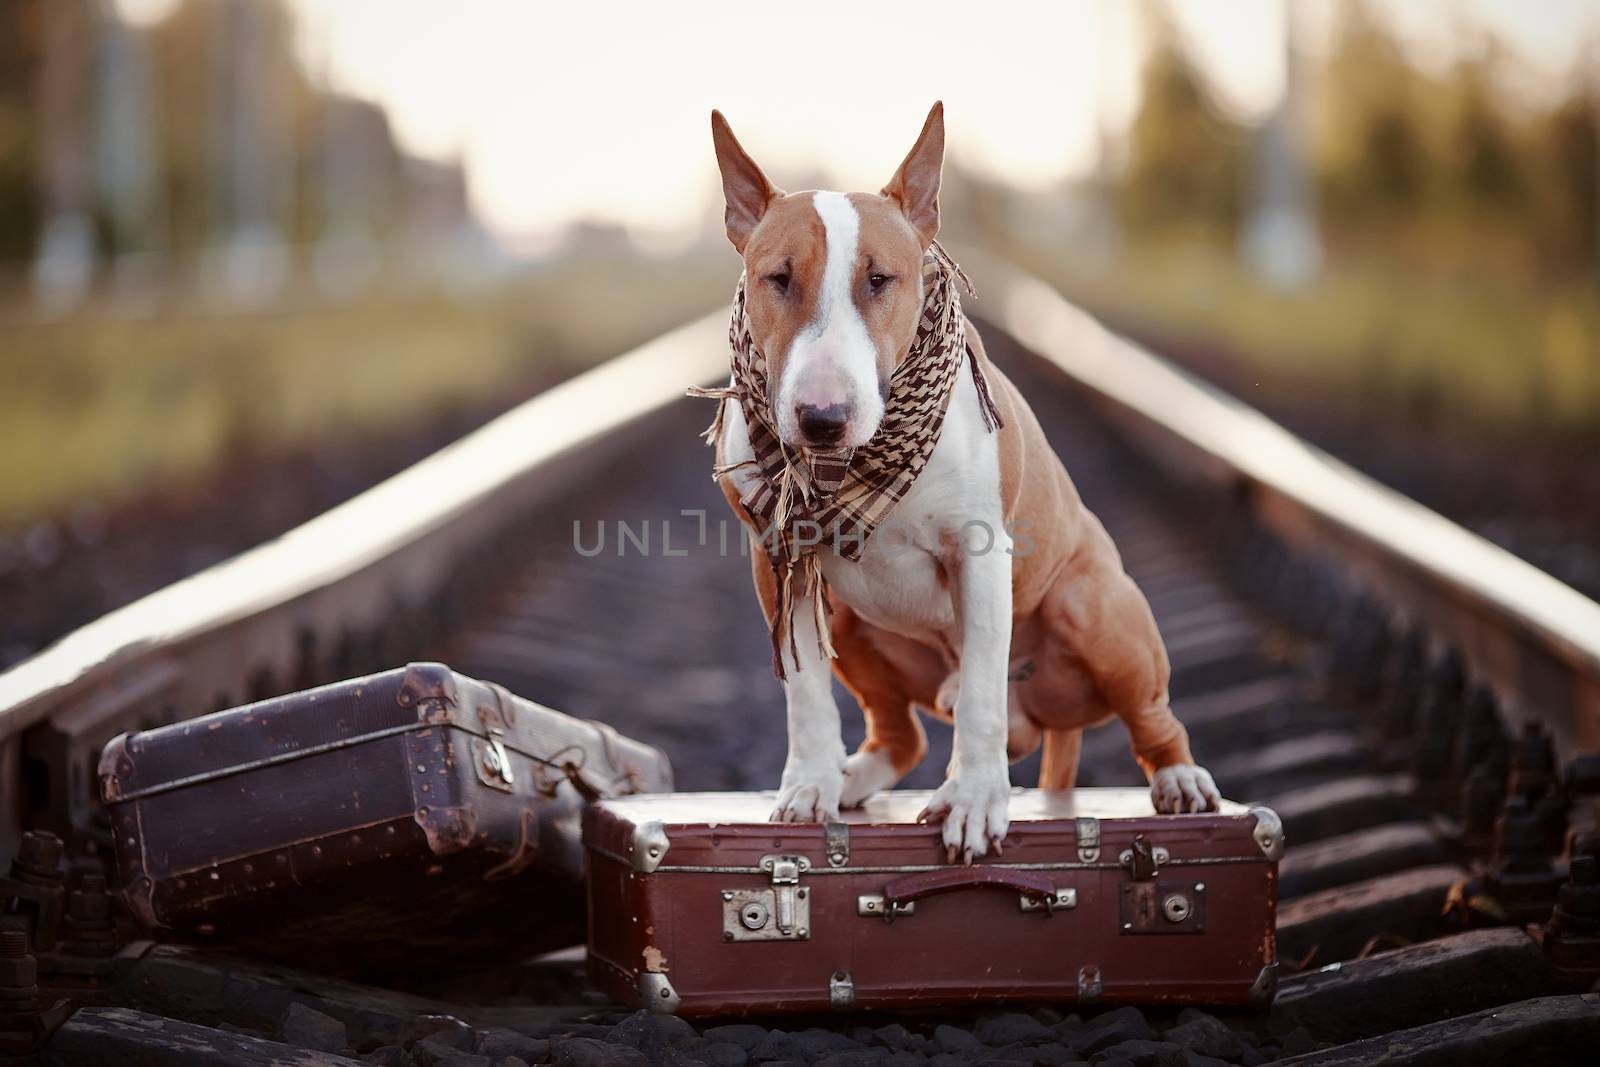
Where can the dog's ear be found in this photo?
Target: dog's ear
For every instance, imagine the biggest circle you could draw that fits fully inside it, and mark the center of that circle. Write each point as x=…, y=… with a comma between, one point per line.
x=745, y=189
x=915, y=186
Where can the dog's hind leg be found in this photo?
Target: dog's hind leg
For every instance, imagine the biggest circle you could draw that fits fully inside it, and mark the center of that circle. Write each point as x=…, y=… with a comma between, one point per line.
x=1106, y=623
x=1058, y=769
x=895, y=740
x=895, y=743
x=1022, y=733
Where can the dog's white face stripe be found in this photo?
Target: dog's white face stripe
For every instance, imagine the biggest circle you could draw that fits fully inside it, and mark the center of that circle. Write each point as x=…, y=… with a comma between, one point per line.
x=842, y=225
x=834, y=360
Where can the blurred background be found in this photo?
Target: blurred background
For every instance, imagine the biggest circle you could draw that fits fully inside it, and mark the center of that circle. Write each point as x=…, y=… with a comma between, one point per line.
x=257, y=254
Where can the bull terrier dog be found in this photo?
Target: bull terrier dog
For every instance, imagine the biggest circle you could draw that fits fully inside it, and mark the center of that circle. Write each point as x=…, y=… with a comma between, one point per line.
x=1001, y=603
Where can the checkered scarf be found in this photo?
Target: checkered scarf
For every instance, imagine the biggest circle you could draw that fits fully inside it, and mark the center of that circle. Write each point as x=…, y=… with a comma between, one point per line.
x=807, y=499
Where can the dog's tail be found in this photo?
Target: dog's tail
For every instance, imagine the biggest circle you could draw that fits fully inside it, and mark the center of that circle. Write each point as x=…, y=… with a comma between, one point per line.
x=1058, y=768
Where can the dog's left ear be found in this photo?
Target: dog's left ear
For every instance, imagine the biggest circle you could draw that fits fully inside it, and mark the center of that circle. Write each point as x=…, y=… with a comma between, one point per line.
x=915, y=186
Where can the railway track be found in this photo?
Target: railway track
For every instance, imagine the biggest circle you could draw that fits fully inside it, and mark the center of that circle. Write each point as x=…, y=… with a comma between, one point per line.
x=1414, y=704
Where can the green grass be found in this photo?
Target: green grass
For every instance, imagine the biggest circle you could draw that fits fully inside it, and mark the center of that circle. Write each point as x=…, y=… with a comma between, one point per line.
x=1469, y=348
x=98, y=407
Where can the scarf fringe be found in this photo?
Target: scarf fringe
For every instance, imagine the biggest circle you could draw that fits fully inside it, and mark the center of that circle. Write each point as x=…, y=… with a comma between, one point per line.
x=796, y=491
x=721, y=469
x=821, y=607
x=721, y=394
x=811, y=584
x=952, y=266
x=991, y=414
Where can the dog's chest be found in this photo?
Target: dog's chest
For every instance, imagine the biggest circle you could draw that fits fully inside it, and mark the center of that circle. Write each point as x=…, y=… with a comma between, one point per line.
x=905, y=587
x=905, y=578
x=908, y=574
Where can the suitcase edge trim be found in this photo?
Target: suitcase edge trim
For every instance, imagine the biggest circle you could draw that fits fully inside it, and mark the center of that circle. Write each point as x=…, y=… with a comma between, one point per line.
x=648, y=843
x=1268, y=833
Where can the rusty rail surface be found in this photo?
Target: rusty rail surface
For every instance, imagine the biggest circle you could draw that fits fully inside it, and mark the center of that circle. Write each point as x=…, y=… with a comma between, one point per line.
x=1535, y=639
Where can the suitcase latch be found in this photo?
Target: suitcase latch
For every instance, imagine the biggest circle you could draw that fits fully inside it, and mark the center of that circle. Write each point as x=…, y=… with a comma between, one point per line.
x=494, y=763
x=1063, y=899
x=837, y=843
x=1088, y=832
x=873, y=906
x=1143, y=859
x=779, y=913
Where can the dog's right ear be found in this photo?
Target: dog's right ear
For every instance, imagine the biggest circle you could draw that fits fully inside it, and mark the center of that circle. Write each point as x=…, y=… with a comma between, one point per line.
x=745, y=189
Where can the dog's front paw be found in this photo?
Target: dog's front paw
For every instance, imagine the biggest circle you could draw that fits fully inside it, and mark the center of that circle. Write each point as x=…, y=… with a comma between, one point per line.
x=1184, y=787
x=810, y=793
x=975, y=809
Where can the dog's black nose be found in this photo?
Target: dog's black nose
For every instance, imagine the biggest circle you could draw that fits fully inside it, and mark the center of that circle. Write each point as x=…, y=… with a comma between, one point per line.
x=823, y=425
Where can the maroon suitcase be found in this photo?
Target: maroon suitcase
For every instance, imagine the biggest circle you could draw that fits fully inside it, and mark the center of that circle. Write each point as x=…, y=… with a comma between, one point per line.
x=699, y=906
x=411, y=812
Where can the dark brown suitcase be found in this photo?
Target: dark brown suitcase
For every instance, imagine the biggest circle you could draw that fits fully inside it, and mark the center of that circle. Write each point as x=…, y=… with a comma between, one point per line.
x=699, y=906
x=406, y=814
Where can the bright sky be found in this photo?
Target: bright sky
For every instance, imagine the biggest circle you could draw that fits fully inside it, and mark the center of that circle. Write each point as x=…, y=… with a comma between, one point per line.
x=599, y=110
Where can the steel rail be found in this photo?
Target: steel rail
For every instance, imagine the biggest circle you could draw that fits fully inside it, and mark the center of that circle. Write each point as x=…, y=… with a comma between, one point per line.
x=374, y=526
x=1535, y=639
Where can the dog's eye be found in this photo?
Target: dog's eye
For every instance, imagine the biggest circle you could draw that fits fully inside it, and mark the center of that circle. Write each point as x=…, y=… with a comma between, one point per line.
x=780, y=280
x=878, y=281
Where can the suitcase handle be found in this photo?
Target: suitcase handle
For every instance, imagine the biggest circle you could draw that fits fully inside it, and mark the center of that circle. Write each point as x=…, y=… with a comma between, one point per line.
x=911, y=887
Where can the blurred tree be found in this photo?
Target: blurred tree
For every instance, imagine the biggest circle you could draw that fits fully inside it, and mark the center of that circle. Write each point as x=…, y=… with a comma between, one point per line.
x=126, y=139
x=974, y=208
x=1373, y=151
x=334, y=159
x=63, y=262
x=1568, y=146
x=252, y=160
x=197, y=151
x=19, y=63
x=181, y=43
x=1281, y=241
x=1185, y=160
x=1483, y=160
x=353, y=169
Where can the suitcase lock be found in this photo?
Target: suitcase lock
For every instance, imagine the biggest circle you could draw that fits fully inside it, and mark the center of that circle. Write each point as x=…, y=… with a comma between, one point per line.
x=1163, y=907
x=779, y=913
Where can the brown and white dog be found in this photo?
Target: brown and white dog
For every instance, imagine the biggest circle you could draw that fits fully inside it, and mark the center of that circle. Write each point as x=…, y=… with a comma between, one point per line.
x=1011, y=645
